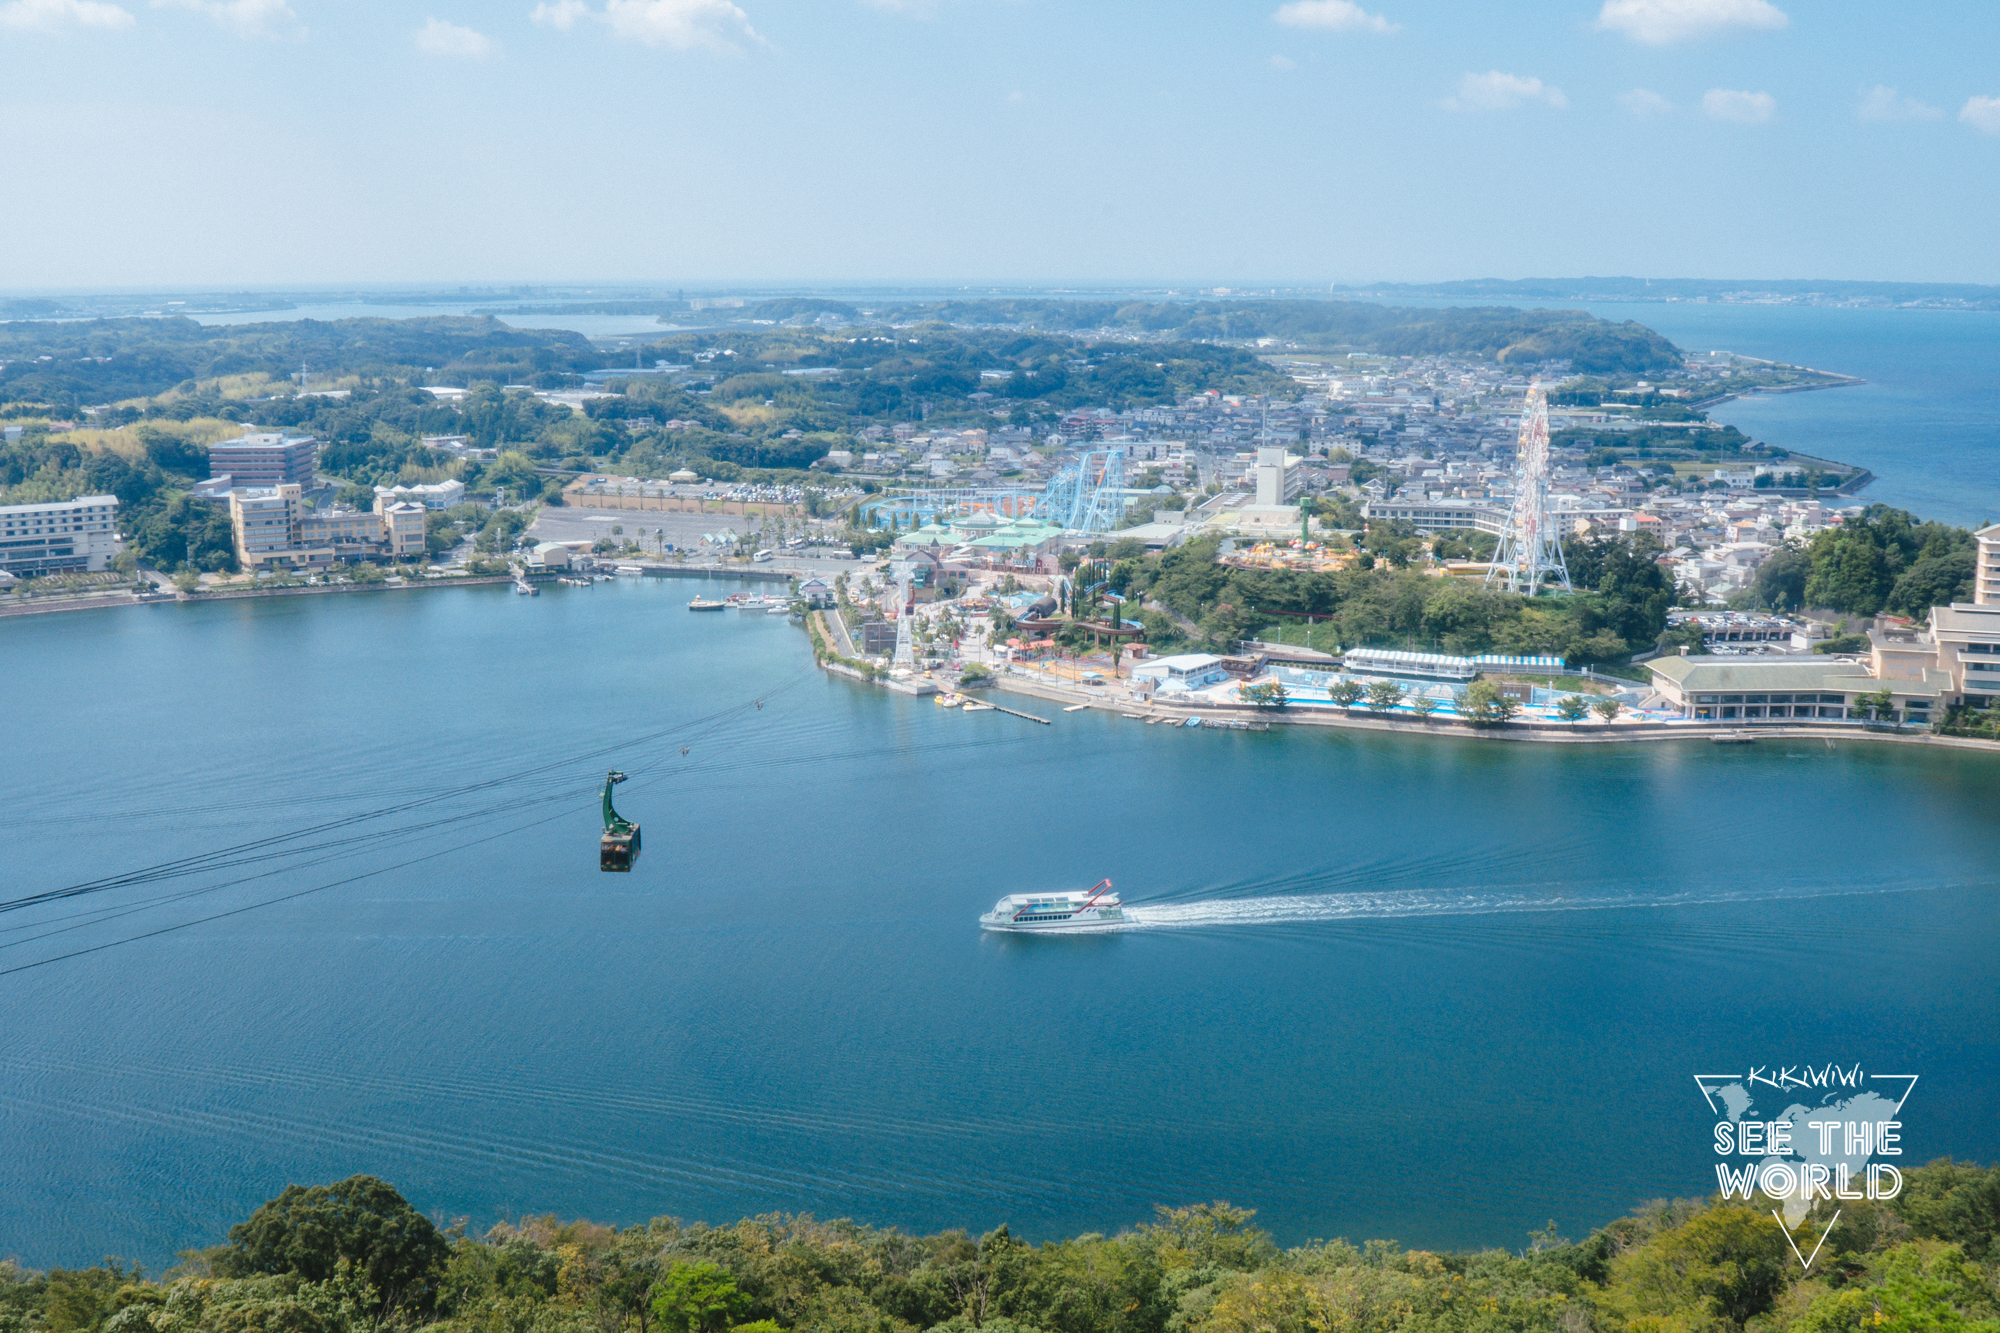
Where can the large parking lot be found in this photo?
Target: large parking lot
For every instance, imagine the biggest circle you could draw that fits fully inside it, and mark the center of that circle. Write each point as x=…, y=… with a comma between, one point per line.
x=682, y=530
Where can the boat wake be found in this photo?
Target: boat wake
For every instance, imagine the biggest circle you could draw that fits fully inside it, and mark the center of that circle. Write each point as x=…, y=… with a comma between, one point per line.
x=1307, y=908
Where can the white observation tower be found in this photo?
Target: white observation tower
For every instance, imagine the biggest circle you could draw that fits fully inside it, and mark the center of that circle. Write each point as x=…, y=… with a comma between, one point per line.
x=1530, y=547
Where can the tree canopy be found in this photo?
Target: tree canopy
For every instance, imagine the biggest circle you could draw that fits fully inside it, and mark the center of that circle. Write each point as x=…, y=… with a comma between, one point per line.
x=310, y=1231
x=1620, y=607
x=1881, y=560
x=1916, y=1264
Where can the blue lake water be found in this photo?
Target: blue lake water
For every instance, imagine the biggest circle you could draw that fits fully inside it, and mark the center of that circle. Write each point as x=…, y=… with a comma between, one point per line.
x=1379, y=986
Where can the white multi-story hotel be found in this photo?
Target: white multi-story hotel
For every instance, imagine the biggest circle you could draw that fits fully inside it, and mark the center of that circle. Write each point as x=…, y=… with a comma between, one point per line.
x=1986, y=584
x=63, y=537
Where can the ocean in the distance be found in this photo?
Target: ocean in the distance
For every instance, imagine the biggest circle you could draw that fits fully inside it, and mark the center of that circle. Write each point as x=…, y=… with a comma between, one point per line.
x=1926, y=423
x=1440, y=991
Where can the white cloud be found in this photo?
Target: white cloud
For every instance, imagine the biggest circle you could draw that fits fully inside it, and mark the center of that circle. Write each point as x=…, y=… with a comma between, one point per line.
x=1664, y=22
x=1283, y=62
x=921, y=9
x=563, y=14
x=246, y=18
x=683, y=25
x=55, y=15
x=1645, y=103
x=1331, y=16
x=1982, y=113
x=1738, y=107
x=438, y=38
x=1883, y=103
x=1494, y=91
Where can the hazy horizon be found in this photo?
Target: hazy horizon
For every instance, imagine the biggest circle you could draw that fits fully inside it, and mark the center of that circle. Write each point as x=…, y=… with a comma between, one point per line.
x=571, y=289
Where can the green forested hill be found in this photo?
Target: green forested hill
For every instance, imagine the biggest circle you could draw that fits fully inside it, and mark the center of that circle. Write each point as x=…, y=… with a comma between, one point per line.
x=1592, y=345
x=108, y=360
x=1135, y=352
x=355, y=1256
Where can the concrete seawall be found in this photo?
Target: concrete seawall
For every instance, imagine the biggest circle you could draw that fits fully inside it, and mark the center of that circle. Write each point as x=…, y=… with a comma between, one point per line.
x=241, y=594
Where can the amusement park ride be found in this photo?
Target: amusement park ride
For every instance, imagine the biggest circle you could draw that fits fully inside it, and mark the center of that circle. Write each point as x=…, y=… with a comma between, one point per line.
x=1530, y=550
x=1086, y=496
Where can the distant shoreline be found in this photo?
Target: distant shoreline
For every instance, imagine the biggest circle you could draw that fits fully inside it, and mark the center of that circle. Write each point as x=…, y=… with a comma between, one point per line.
x=101, y=600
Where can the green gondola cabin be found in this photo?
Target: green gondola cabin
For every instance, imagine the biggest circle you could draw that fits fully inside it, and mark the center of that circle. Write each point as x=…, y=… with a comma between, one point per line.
x=619, y=847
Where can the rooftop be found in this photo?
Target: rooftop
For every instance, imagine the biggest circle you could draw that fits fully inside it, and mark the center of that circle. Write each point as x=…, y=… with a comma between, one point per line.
x=1966, y=618
x=81, y=502
x=1740, y=673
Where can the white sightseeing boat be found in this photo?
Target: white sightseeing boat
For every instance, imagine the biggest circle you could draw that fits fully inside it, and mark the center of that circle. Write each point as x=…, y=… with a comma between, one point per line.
x=1065, y=910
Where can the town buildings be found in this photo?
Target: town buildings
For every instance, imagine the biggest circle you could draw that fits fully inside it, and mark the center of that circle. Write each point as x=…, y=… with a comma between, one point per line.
x=264, y=460
x=274, y=530
x=1440, y=515
x=59, y=537
x=431, y=495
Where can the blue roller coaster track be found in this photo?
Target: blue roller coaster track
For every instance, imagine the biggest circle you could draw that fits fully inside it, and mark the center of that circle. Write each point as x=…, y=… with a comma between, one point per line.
x=1086, y=496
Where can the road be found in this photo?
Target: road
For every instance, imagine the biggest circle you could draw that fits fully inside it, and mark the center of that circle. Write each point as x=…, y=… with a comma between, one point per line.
x=837, y=629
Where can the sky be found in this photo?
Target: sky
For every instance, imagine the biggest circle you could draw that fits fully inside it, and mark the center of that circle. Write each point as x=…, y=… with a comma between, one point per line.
x=223, y=143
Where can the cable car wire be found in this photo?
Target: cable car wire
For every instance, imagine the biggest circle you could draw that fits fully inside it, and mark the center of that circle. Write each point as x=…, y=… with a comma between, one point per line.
x=274, y=847
x=272, y=902
x=228, y=857
x=569, y=791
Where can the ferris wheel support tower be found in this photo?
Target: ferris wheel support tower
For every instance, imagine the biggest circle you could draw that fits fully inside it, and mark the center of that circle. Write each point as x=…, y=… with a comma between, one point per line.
x=1530, y=548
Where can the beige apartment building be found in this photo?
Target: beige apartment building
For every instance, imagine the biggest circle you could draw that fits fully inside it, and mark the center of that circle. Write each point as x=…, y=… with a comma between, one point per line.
x=1961, y=644
x=1986, y=575
x=274, y=530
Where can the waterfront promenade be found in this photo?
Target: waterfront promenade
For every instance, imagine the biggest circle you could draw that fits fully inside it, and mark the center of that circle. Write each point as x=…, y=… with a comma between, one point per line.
x=1561, y=733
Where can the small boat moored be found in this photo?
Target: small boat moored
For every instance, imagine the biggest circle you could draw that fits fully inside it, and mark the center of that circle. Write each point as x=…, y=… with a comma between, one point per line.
x=947, y=699
x=1066, y=910
x=699, y=604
